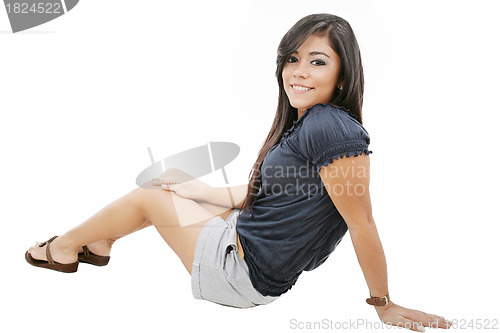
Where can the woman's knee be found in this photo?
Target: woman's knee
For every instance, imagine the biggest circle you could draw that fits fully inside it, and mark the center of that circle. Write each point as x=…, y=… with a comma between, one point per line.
x=158, y=202
x=141, y=198
x=141, y=194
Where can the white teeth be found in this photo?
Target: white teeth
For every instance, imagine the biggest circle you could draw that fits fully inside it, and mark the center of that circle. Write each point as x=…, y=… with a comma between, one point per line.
x=301, y=88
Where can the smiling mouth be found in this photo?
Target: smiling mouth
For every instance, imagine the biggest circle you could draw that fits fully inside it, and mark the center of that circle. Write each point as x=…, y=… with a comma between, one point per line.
x=300, y=88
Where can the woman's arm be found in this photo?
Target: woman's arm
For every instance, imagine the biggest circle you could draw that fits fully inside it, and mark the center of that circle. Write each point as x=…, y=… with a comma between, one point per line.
x=347, y=182
x=231, y=197
x=183, y=184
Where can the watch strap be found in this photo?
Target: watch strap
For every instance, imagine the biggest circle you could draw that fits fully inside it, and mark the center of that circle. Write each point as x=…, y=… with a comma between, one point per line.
x=378, y=301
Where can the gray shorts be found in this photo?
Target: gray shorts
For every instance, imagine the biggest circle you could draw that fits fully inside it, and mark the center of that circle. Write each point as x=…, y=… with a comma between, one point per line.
x=218, y=274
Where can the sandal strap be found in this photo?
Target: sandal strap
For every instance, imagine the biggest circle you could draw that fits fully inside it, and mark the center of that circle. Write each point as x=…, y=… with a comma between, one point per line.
x=86, y=250
x=47, y=250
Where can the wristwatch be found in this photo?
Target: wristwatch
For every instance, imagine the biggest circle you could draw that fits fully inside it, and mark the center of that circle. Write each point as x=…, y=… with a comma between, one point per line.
x=378, y=301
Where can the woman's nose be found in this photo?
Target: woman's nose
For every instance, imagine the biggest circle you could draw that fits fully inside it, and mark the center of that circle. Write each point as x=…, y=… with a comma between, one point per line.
x=301, y=71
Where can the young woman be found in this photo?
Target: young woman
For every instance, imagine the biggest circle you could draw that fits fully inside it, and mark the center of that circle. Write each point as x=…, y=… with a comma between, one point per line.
x=247, y=245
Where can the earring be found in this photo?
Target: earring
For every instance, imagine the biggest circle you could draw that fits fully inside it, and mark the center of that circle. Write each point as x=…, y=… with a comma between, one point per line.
x=340, y=87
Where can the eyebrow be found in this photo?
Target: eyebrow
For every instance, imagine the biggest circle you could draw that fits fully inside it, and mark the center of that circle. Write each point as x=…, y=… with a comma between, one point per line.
x=314, y=53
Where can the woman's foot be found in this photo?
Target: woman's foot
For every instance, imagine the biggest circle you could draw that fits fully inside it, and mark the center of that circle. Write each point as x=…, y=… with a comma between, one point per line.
x=62, y=254
x=60, y=251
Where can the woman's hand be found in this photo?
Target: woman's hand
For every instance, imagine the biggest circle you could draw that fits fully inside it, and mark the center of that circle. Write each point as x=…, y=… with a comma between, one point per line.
x=414, y=320
x=190, y=189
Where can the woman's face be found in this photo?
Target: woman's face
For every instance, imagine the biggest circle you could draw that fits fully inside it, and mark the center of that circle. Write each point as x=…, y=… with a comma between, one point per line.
x=310, y=75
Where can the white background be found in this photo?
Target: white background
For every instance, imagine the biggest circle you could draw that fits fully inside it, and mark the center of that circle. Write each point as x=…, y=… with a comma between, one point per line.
x=81, y=98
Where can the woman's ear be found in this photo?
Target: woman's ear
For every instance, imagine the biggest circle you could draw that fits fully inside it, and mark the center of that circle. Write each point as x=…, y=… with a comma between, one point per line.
x=340, y=83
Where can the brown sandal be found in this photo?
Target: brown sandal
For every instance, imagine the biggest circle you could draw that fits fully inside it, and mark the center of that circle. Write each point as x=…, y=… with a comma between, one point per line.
x=50, y=263
x=90, y=258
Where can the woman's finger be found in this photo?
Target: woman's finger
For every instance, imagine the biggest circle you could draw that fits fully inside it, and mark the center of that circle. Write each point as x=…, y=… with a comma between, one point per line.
x=428, y=320
x=169, y=186
x=409, y=324
x=157, y=181
x=438, y=322
x=160, y=181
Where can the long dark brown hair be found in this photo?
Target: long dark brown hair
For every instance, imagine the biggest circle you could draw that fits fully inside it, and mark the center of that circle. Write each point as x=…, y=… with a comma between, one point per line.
x=343, y=42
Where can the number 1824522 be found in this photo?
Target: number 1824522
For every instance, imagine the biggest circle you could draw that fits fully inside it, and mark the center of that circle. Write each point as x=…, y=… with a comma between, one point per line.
x=35, y=8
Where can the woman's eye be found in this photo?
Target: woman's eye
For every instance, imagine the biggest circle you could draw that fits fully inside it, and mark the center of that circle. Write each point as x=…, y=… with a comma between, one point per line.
x=318, y=62
x=292, y=59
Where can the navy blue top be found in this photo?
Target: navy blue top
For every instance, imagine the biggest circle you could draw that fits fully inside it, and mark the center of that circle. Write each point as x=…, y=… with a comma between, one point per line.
x=293, y=224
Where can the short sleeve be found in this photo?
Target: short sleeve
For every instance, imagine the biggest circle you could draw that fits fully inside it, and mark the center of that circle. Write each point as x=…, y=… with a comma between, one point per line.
x=330, y=132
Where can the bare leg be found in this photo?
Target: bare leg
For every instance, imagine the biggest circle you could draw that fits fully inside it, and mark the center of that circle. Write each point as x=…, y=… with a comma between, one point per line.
x=103, y=247
x=178, y=220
